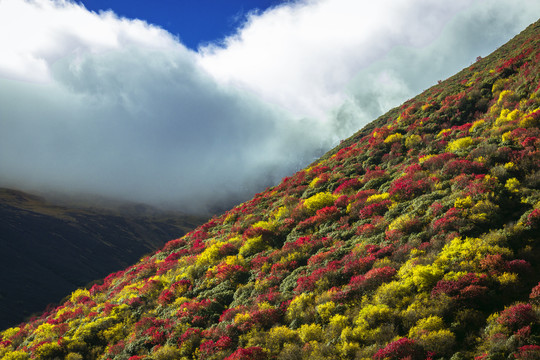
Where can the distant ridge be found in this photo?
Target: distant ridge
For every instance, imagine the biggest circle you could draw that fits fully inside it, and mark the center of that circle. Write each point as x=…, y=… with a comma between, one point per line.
x=417, y=238
x=49, y=250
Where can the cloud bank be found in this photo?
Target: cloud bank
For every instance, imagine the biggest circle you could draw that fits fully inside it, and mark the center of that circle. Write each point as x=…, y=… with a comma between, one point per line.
x=95, y=103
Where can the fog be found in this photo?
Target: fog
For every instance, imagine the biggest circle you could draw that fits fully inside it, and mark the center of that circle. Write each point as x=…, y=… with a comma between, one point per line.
x=94, y=103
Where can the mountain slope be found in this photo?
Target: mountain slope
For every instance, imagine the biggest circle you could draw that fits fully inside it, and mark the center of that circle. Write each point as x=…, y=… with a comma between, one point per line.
x=417, y=238
x=47, y=250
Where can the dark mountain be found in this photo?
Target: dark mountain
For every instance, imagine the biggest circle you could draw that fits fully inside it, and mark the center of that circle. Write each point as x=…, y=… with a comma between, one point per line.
x=48, y=250
x=417, y=238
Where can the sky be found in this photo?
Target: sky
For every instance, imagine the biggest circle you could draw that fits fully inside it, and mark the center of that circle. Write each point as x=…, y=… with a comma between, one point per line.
x=192, y=104
x=194, y=22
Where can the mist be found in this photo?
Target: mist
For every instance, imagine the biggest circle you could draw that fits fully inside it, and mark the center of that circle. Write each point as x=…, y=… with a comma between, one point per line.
x=94, y=103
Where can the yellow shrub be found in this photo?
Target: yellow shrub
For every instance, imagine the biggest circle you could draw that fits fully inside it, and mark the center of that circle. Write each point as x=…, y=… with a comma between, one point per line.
x=476, y=125
x=508, y=278
x=507, y=136
x=347, y=349
x=512, y=185
x=459, y=144
x=503, y=95
x=241, y=317
x=394, y=293
x=8, y=333
x=319, y=200
x=443, y=132
x=339, y=322
x=48, y=351
x=310, y=332
x=44, y=332
x=483, y=211
x=528, y=121
x=253, y=246
x=281, y=213
x=167, y=352
x=393, y=138
x=440, y=342
x=413, y=140
x=74, y=356
x=279, y=336
x=299, y=305
x=370, y=316
x=326, y=310
x=465, y=254
x=431, y=323
x=377, y=197
x=210, y=255
x=424, y=158
x=507, y=116
x=498, y=85
x=425, y=276
x=463, y=203
x=400, y=222
x=426, y=106
x=509, y=165
x=314, y=182
x=78, y=294
x=431, y=333
x=454, y=275
x=16, y=355
x=231, y=218
x=114, y=333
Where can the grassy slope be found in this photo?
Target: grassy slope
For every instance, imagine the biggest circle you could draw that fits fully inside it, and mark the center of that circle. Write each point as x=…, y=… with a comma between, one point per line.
x=416, y=238
x=50, y=250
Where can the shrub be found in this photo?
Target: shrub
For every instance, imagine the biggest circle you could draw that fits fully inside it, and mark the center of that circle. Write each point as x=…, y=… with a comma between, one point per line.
x=310, y=332
x=318, y=201
x=278, y=336
x=403, y=348
x=459, y=144
x=253, y=246
x=535, y=294
x=528, y=352
x=517, y=316
x=250, y=353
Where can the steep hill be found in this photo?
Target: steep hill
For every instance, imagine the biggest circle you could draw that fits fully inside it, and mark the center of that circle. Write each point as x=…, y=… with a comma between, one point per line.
x=47, y=250
x=417, y=238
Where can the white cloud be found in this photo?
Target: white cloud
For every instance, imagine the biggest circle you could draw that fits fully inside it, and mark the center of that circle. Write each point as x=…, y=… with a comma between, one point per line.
x=314, y=55
x=39, y=32
x=302, y=56
x=95, y=103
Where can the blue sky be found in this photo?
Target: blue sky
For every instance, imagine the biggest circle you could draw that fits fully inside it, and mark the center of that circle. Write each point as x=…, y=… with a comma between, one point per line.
x=143, y=104
x=194, y=21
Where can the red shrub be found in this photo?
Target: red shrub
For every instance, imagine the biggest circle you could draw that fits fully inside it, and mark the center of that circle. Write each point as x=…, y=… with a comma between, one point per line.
x=356, y=266
x=528, y=352
x=378, y=208
x=229, y=314
x=468, y=287
x=403, y=348
x=438, y=161
x=535, y=294
x=451, y=221
x=517, y=316
x=533, y=219
x=462, y=166
x=372, y=279
x=348, y=185
x=518, y=266
x=251, y=353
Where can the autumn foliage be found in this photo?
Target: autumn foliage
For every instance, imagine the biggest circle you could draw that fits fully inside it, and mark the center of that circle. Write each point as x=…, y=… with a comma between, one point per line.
x=416, y=238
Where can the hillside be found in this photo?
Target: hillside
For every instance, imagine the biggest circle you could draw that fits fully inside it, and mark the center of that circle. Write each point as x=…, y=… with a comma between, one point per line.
x=48, y=250
x=416, y=238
